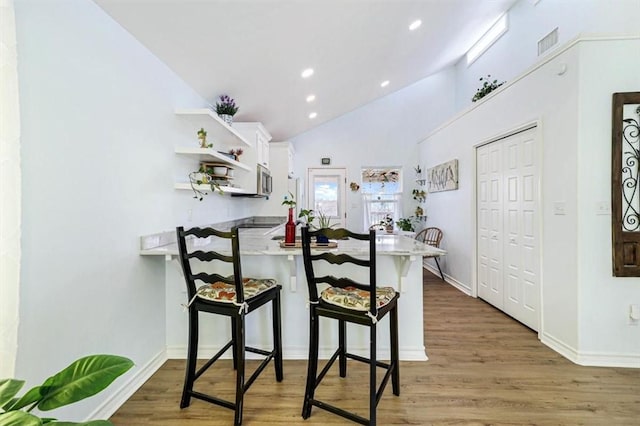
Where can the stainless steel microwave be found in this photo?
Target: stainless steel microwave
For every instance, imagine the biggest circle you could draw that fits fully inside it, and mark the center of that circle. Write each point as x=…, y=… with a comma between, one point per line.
x=264, y=181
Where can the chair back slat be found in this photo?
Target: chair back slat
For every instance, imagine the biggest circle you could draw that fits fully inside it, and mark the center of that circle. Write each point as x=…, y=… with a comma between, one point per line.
x=431, y=236
x=208, y=256
x=339, y=259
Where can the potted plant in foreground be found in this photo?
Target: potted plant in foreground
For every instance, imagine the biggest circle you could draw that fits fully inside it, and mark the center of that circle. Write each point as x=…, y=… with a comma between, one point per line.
x=82, y=379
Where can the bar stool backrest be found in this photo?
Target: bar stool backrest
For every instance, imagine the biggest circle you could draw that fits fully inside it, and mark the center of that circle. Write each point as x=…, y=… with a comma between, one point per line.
x=369, y=262
x=431, y=236
x=187, y=256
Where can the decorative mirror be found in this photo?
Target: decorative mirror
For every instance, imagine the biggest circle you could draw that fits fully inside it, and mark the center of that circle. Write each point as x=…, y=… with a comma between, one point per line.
x=625, y=190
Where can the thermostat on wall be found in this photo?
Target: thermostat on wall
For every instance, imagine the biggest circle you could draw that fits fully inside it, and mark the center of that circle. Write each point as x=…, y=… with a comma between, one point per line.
x=326, y=161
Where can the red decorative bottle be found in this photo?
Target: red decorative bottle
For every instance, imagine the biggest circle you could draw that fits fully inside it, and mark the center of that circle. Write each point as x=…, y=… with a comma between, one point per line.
x=290, y=229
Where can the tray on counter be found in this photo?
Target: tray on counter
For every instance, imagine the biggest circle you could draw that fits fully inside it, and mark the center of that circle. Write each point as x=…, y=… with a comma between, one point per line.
x=298, y=244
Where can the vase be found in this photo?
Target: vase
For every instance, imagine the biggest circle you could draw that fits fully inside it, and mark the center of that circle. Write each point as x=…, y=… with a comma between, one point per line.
x=322, y=239
x=290, y=229
x=226, y=118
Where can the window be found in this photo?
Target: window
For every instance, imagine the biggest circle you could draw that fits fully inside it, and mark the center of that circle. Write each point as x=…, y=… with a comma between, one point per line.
x=381, y=193
x=500, y=27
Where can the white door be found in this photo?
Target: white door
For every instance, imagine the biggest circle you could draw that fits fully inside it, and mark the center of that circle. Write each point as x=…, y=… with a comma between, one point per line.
x=508, y=237
x=489, y=210
x=327, y=193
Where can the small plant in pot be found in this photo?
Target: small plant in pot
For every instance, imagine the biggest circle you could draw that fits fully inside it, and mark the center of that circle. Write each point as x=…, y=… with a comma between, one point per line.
x=324, y=222
x=226, y=108
x=387, y=223
x=487, y=87
x=203, y=176
x=406, y=224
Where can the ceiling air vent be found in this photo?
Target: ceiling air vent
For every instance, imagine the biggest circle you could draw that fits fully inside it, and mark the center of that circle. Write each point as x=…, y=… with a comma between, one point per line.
x=548, y=41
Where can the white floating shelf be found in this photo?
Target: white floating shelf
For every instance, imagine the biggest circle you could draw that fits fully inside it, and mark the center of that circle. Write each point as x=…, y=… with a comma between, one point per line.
x=207, y=188
x=217, y=130
x=207, y=154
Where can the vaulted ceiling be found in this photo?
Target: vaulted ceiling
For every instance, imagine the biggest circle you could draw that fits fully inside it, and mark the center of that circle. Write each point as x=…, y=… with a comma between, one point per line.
x=256, y=50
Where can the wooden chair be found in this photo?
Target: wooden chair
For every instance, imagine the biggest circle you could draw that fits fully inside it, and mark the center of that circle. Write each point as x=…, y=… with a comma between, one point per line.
x=232, y=296
x=431, y=236
x=348, y=301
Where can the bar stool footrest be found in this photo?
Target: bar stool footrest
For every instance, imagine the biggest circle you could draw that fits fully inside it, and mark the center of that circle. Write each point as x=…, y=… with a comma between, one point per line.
x=340, y=412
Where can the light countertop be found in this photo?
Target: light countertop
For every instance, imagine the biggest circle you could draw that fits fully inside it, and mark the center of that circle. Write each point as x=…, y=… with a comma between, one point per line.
x=256, y=241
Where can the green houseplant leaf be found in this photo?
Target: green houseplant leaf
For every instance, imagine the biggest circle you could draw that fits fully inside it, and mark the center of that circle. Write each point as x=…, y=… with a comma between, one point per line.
x=8, y=389
x=19, y=418
x=28, y=398
x=82, y=379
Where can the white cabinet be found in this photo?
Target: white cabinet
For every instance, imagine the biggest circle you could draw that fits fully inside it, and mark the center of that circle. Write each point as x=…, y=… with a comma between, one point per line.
x=258, y=137
x=223, y=137
x=282, y=153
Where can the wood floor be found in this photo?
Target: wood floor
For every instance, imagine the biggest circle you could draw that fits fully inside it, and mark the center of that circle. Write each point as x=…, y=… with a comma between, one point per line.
x=484, y=369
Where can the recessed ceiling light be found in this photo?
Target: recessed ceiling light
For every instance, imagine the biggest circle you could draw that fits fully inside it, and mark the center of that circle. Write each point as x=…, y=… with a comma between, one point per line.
x=384, y=83
x=313, y=115
x=311, y=98
x=307, y=73
x=415, y=24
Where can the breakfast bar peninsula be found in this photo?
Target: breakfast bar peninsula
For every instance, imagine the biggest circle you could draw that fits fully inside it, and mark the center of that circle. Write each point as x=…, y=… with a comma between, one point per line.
x=399, y=265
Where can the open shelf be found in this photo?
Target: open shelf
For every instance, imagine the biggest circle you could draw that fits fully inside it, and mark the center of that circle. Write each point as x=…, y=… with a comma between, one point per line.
x=207, y=188
x=206, y=154
x=218, y=132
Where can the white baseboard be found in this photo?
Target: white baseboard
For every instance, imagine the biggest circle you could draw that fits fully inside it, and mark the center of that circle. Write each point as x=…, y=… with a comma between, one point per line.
x=591, y=359
x=448, y=279
x=120, y=396
x=301, y=352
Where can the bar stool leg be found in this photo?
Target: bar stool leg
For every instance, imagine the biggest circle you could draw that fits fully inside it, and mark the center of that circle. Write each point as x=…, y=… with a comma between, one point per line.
x=277, y=337
x=312, y=366
x=372, y=375
x=192, y=355
x=234, y=346
x=395, y=358
x=240, y=342
x=342, y=342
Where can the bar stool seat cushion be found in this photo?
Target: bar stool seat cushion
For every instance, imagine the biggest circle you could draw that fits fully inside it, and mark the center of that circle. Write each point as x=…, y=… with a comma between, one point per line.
x=356, y=299
x=226, y=293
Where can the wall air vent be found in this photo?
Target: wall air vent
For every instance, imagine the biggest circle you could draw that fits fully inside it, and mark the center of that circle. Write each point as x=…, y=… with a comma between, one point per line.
x=548, y=41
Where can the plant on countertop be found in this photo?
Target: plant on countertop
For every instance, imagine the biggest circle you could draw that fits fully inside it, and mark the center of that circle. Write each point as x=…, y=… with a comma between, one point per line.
x=202, y=135
x=387, y=222
x=203, y=177
x=406, y=224
x=324, y=221
x=82, y=379
x=226, y=106
x=289, y=202
x=308, y=214
x=487, y=87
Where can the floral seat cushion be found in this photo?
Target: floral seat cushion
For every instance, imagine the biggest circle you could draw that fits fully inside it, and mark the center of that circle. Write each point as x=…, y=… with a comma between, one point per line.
x=226, y=293
x=356, y=299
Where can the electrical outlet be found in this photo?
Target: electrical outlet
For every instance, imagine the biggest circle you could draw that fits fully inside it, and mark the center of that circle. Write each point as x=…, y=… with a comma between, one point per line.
x=603, y=208
x=189, y=215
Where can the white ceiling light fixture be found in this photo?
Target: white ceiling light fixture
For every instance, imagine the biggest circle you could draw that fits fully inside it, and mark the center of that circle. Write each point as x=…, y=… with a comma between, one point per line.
x=500, y=27
x=415, y=25
x=307, y=73
x=313, y=115
x=311, y=98
x=384, y=83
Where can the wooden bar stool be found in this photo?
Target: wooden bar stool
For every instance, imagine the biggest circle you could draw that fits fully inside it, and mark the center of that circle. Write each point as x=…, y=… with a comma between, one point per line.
x=232, y=296
x=348, y=301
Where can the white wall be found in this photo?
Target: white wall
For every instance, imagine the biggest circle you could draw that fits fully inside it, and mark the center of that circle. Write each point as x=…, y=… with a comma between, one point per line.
x=98, y=132
x=573, y=110
x=605, y=68
x=382, y=133
x=517, y=49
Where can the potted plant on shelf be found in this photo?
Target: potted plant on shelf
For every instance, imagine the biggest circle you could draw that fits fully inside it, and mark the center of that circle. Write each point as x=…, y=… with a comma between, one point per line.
x=226, y=108
x=290, y=226
x=202, y=136
x=203, y=176
x=236, y=153
x=487, y=87
x=82, y=379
